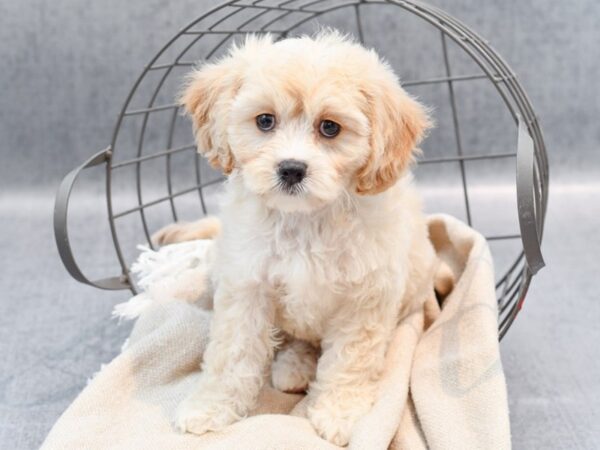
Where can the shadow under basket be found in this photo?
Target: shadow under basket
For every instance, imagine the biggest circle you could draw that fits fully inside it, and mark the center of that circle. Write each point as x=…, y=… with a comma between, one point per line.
x=154, y=175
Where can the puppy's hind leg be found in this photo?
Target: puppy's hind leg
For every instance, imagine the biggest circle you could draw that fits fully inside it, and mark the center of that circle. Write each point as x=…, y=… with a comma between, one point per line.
x=206, y=228
x=294, y=367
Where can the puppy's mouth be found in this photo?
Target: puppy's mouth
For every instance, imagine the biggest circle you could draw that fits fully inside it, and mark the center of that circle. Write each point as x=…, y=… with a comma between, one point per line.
x=292, y=198
x=296, y=189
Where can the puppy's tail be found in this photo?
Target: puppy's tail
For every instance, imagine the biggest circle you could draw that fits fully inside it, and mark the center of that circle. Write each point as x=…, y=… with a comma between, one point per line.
x=443, y=281
x=206, y=228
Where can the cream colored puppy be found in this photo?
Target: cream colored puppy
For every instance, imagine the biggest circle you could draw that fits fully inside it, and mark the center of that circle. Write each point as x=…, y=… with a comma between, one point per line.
x=322, y=238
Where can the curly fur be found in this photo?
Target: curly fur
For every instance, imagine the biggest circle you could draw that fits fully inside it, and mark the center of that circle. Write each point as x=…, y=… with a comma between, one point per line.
x=334, y=264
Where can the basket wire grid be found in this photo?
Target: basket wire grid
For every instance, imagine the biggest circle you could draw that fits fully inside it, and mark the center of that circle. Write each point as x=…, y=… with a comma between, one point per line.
x=213, y=32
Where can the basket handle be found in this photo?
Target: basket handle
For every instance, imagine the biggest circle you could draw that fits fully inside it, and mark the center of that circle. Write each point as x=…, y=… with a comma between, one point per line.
x=527, y=201
x=61, y=234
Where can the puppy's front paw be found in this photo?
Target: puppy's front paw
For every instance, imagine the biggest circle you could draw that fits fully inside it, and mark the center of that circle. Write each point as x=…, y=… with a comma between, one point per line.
x=197, y=416
x=332, y=424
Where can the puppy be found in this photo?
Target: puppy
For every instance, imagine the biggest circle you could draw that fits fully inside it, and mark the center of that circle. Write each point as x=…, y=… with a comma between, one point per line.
x=322, y=245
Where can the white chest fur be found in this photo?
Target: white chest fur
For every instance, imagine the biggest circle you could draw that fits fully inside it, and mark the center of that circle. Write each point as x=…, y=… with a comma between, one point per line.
x=316, y=265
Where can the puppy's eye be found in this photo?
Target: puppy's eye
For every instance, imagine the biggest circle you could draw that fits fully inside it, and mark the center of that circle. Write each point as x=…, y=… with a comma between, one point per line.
x=329, y=128
x=265, y=122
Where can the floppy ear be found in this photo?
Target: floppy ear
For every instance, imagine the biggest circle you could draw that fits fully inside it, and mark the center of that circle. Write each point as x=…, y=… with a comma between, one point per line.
x=398, y=123
x=207, y=98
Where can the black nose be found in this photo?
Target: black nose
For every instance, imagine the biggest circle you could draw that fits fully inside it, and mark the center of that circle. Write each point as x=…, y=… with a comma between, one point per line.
x=291, y=171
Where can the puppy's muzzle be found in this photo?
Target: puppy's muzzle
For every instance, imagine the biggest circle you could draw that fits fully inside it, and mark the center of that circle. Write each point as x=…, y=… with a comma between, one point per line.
x=291, y=172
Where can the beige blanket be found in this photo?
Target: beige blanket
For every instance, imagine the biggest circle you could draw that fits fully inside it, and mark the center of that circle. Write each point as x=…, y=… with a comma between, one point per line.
x=443, y=387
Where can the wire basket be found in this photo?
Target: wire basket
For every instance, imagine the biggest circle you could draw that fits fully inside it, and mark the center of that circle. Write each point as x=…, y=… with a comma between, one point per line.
x=155, y=176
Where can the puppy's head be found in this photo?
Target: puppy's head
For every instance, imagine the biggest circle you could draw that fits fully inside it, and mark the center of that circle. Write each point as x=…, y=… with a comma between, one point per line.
x=304, y=120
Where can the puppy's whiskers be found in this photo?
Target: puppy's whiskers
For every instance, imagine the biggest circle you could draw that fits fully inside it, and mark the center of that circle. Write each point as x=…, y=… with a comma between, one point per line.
x=295, y=189
x=298, y=189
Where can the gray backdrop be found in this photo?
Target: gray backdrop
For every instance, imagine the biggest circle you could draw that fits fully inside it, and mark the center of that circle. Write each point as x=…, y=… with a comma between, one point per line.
x=65, y=69
x=67, y=65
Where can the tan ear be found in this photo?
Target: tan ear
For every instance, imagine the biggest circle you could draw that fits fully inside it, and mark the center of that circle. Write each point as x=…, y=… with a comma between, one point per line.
x=398, y=123
x=207, y=98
